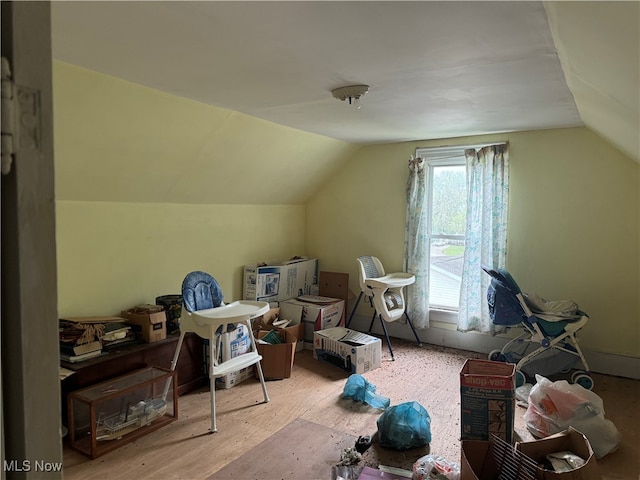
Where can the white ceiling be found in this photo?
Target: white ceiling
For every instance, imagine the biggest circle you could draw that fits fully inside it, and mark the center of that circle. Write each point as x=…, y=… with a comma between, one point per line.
x=435, y=69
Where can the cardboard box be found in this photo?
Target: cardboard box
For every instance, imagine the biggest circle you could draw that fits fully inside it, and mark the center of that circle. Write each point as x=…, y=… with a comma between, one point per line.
x=479, y=460
x=352, y=351
x=297, y=330
x=570, y=440
x=280, y=281
x=234, y=344
x=316, y=313
x=295, y=327
x=234, y=378
x=487, y=399
x=475, y=461
x=277, y=359
x=148, y=322
x=494, y=459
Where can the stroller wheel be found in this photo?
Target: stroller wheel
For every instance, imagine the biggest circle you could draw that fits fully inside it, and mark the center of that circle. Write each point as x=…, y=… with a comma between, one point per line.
x=497, y=356
x=520, y=379
x=583, y=379
x=575, y=374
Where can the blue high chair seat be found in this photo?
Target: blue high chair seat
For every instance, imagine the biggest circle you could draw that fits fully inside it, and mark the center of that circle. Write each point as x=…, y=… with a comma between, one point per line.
x=201, y=291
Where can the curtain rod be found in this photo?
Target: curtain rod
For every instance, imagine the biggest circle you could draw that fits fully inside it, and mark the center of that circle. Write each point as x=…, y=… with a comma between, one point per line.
x=445, y=148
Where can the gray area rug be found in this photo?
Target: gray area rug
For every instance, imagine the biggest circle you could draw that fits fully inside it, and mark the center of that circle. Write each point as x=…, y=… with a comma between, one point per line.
x=300, y=450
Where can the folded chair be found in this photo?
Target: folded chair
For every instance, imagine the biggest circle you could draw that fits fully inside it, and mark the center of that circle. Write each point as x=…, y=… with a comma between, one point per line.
x=385, y=292
x=205, y=313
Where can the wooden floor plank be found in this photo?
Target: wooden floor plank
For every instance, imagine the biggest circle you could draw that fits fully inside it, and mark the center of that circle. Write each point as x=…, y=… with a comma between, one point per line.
x=430, y=375
x=299, y=450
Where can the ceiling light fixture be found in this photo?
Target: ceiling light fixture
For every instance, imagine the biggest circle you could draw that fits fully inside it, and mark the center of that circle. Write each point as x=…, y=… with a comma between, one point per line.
x=351, y=92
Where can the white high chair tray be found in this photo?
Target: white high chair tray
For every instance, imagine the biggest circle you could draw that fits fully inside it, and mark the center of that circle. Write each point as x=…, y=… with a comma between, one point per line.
x=234, y=312
x=392, y=280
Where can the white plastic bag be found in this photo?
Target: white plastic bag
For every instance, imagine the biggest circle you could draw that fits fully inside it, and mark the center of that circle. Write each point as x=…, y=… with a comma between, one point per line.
x=434, y=467
x=554, y=406
x=522, y=393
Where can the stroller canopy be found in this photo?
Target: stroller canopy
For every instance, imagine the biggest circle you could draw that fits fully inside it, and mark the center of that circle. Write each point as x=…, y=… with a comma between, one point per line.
x=505, y=309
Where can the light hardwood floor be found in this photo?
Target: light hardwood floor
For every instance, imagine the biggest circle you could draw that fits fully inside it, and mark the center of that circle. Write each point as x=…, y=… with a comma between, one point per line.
x=430, y=375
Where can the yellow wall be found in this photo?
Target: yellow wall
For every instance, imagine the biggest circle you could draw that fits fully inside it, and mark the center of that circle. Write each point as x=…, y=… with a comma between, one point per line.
x=123, y=142
x=151, y=186
x=573, y=223
x=113, y=256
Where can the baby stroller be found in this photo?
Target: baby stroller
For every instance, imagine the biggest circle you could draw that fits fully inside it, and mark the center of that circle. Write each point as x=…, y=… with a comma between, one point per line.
x=548, y=344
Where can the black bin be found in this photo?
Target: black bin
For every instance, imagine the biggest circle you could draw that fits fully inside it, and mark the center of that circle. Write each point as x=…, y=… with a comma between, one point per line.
x=173, y=307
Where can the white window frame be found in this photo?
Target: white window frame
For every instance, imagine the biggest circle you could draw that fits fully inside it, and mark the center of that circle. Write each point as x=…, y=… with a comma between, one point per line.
x=440, y=157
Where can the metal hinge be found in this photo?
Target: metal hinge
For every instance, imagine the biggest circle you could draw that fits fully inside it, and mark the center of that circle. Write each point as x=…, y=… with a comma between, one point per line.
x=7, y=118
x=20, y=125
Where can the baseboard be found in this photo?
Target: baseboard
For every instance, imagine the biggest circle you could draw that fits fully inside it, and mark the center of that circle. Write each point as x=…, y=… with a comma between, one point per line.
x=599, y=362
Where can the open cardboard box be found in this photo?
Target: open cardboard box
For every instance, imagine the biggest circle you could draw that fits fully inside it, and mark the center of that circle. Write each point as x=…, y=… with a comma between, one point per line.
x=478, y=462
x=328, y=313
x=277, y=359
x=148, y=321
x=296, y=327
x=353, y=351
x=570, y=440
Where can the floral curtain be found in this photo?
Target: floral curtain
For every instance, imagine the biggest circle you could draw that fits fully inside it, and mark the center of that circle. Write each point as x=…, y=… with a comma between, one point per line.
x=416, y=251
x=488, y=191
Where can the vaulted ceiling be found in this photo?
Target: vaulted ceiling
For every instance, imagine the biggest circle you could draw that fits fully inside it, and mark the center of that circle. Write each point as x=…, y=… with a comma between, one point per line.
x=435, y=69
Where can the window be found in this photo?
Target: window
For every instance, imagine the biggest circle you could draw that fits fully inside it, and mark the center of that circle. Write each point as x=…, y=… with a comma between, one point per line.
x=457, y=200
x=446, y=234
x=446, y=218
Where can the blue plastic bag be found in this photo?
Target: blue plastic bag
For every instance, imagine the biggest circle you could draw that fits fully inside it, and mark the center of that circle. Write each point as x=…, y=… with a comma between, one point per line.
x=358, y=388
x=404, y=426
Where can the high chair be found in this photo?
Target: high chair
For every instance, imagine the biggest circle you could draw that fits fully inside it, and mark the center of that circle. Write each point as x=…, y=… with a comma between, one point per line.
x=385, y=292
x=205, y=314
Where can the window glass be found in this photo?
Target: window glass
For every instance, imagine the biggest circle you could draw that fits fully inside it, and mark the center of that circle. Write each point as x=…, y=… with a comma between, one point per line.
x=447, y=206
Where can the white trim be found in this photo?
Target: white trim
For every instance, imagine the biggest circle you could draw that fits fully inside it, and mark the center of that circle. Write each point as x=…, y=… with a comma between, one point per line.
x=443, y=315
x=446, y=150
x=599, y=362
